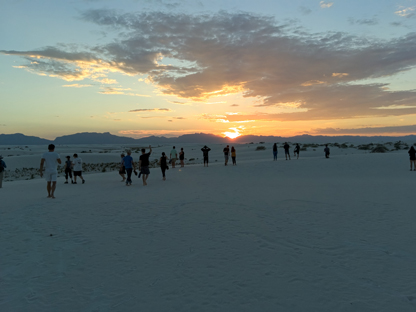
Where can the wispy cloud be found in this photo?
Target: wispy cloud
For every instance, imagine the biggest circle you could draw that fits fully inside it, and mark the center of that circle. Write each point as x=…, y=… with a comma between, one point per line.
x=366, y=130
x=150, y=110
x=326, y=5
x=121, y=91
x=76, y=85
x=406, y=12
x=304, y=10
x=366, y=21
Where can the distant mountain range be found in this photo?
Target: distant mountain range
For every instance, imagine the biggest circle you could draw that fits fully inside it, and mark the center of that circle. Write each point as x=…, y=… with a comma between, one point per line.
x=201, y=138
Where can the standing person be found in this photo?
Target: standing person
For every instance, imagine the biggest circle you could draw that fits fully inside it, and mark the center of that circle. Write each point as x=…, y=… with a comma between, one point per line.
x=163, y=163
x=144, y=164
x=205, y=150
x=50, y=160
x=296, y=151
x=412, y=154
x=128, y=163
x=326, y=150
x=173, y=156
x=182, y=157
x=77, y=165
x=2, y=167
x=233, y=155
x=226, y=152
x=68, y=169
x=274, y=151
x=286, y=147
x=122, y=170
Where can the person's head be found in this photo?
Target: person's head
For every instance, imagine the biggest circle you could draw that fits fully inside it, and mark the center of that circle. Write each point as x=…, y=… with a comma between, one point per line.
x=232, y=148
x=122, y=155
x=143, y=150
x=181, y=148
x=163, y=154
x=174, y=147
x=75, y=155
x=128, y=152
x=326, y=145
x=205, y=146
x=1, y=157
x=228, y=146
x=68, y=157
x=51, y=147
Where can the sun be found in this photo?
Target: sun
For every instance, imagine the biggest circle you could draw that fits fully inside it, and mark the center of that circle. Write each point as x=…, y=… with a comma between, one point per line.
x=232, y=135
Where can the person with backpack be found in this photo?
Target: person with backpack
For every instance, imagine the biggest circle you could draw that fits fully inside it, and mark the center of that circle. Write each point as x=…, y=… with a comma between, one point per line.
x=2, y=168
x=68, y=169
x=412, y=154
x=205, y=151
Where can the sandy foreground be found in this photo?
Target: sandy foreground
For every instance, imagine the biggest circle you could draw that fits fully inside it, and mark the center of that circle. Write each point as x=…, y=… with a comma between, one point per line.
x=312, y=234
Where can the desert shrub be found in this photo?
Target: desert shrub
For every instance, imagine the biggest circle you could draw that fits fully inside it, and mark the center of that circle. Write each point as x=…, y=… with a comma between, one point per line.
x=191, y=159
x=303, y=149
x=260, y=148
x=380, y=149
x=343, y=145
x=364, y=147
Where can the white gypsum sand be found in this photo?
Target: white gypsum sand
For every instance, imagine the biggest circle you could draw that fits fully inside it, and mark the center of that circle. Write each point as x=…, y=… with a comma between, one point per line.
x=312, y=234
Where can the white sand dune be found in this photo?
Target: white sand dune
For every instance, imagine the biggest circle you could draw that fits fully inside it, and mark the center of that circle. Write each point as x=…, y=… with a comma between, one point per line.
x=312, y=234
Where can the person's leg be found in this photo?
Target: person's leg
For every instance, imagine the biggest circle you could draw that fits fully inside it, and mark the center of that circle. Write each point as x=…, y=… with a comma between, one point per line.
x=1, y=179
x=144, y=177
x=70, y=175
x=53, y=187
x=49, y=188
x=129, y=171
x=173, y=163
x=75, y=177
x=66, y=175
x=82, y=178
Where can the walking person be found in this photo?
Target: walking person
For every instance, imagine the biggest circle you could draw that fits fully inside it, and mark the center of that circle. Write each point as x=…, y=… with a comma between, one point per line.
x=182, y=157
x=77, y=165
x=144, y=164
x=122, y=170
x=163, y=163
x=233, y=156
x=50, y=161
x=412, y=154
x=226, y=151
x=286, y=147
x=2, y=168
x=274, y=151
x=128, y=164
x=68, y=170
x=296, y=151
x=326, y=150
x=173, y=156
x=205, y=150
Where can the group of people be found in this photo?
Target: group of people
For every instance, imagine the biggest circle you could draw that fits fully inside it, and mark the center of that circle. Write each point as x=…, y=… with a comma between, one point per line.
x=50, y=161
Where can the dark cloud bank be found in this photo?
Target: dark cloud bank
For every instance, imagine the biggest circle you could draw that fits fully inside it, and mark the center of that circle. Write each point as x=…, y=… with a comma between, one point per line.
x=277, y=63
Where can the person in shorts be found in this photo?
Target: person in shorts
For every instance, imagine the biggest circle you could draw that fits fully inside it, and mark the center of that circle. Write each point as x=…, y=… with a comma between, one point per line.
x=2, y=168
x=173, y=156
x=286, y=147
x=50, y=161
x=296, y=151
x=163, y=163
x=122, y=170
x=412, y=154
x=68, y=169
x=128, y=163
x=226, y=151
x=144, y=164
x=77, y=165
x=205, y=150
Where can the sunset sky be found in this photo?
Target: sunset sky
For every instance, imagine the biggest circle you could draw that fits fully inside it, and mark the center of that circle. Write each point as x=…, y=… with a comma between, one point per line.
x=170, y=67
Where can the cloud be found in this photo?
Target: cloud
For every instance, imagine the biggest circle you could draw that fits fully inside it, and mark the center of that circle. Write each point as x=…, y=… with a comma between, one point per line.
x=76, y=85
x=146, y=133
x=121, y=91
x=304, y=10
x=277, y=64
x=406, y=12
x=369, y=22
x=179, y=118
x=367, y=130
x=108, y=81
x=326, y=5
x=234, y=105
x=150, y=110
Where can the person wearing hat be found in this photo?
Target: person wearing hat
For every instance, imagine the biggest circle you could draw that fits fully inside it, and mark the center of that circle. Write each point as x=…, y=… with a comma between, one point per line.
x=50, y=161
x=68, y=169
x=2, y=168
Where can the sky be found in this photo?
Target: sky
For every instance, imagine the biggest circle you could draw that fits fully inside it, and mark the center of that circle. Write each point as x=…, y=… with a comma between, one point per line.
x=228, y=67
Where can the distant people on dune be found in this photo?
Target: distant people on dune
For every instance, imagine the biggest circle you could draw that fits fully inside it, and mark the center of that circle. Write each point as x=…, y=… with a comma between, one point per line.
x=296, y=151
x=182, y=157
x=274, y=151
x=49, y=162
x=68, y=169
x=205, y=150
x=412, y=154
x=173, y=156
x=163, y=163
x=122, y=170
x=326, y=150
x=129, y=165
x=77, y=165
x=286, y=147
x=144, y=164
x=233, y=155
x=2, y=168
x=226, y=151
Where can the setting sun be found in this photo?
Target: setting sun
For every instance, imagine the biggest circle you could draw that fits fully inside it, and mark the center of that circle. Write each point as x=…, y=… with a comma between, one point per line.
x=232, y=135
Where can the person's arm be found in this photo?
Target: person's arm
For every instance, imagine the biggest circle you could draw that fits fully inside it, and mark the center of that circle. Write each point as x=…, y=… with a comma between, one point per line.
x=150, y=148
x=134, y=166
x=59, y=161
x=140, y=164
x=42, y=162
